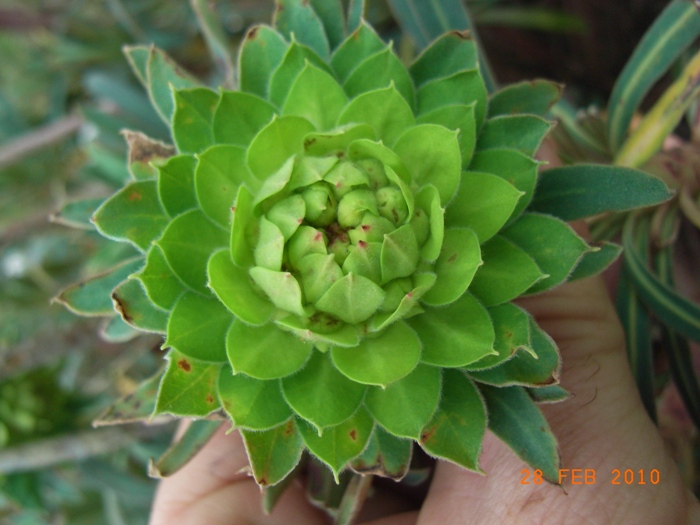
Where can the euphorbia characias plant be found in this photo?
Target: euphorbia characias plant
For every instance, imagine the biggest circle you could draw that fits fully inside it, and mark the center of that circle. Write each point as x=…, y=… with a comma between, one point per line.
x=332, y=250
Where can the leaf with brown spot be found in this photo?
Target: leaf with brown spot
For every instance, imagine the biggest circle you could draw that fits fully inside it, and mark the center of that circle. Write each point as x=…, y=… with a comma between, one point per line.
x=137, y=406
x=385, y=455
x=131, y=301
x=457, y=429
x=273, y=453
x=142, y=151
x=341, y=443
x=188, y=387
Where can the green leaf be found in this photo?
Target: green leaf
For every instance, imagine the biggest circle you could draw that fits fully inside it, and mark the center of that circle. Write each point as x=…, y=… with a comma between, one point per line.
x=674, y=310
x=507, y=273
x=584, y=190
x=255, y=351
x=211, y=25
x=270, y=247
x=250, y=403
x=661, y=120
x=276, y=143
x=426, y=21
x=400, y=255
x=535, y=97
x=131, y=301
x=319, y=272
x=197, y=328
x=161, y=284
x=134, y=407
x=193, y=118
x=261, y=52
x=515, y=419
x=636, y=321
x=541, y=369
x=457, y=117
x=188, y=387
x=285, y=74
x=451, y=53
x=176, y=184
x=512, y=327
x=220, y=171
x=323, y=146
x=356, y=14
x=483, y=203
x=281, y=287
x=288, y=214
x=316, y=96
x=339, y=444
x=553, y=245
x=360, y=45
x=188, y=242
x=346, y=335
x=145, y=154
x=297, y=17
x=456, y=335
x=672, y=32
x=94, y=296
x=457, y=429
x=274, y=453
x=239, y=117
x=243, y=219
x=132, y=214
x=428, y=198
x=235, y=289
x=116, y=330
x=459, y=260
x=597, y=260
x=77, y=214
x=463, y=87
x=385, y=455
x=137, y=56
x=512, y=166
x=433, y=155
x=524, y=133
x=548, y=394
x=331, y=15
x=163, y=76
x=380, y=71
x=320, y=394
x=380, y=360
x=422, y=282
x=178, y=454
x=353, y=299
x=405, y=406
x=385, y=110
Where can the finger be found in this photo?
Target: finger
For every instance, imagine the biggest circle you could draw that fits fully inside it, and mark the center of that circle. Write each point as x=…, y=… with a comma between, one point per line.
x=214, y=488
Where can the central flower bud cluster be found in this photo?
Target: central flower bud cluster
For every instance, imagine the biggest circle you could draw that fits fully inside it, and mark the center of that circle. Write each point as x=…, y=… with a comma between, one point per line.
x=347, y=233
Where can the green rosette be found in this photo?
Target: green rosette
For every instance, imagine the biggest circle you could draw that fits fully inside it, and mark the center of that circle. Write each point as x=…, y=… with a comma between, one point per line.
x=332, y=251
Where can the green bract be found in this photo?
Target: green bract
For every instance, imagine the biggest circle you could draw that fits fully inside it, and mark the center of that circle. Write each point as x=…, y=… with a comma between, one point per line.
x=332, y=251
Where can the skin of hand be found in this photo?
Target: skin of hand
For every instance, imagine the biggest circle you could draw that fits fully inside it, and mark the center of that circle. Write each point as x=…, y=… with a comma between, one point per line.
x=603, y=427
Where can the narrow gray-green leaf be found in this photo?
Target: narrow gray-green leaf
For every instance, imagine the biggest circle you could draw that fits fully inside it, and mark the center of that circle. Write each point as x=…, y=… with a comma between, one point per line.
x=515, y=419
x=583, y=190
x=191, y=442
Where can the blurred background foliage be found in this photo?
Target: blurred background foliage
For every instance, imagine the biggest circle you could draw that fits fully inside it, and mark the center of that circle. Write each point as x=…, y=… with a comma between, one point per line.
x=66, y=92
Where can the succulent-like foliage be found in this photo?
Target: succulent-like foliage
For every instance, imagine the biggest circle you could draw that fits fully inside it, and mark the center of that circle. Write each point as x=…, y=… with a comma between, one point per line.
x=332, y=250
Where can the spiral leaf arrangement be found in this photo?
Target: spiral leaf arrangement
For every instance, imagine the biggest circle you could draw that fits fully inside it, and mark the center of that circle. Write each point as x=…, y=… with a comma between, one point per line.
x=332, y=250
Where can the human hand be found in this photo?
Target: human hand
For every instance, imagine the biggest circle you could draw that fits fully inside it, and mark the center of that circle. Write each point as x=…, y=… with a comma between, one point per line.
x=602, y=428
